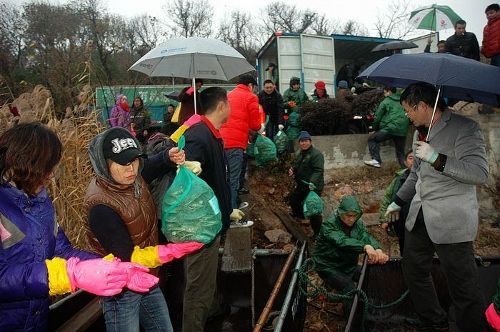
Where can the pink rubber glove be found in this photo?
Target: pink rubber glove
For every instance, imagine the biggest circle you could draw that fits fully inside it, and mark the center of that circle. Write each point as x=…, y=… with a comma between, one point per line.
x=171, y=251
x=492, y=317
x=139, y=280
x=97, y=276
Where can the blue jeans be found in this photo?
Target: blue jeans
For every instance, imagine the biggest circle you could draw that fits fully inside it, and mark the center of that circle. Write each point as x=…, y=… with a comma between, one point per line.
x=495, y=60
x=124, y=312
x=235, y=162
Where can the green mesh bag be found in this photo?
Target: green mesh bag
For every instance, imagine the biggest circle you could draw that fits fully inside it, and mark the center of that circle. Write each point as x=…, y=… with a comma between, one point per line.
x=264, y=150
x=281, y=142
x=190, y=211
x=313, y=205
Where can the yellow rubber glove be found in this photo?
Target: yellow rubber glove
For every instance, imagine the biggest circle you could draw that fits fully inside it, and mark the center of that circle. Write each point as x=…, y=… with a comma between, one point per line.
x=236, y=215
x=58, y=276
x=146, y=256
x=193, y=166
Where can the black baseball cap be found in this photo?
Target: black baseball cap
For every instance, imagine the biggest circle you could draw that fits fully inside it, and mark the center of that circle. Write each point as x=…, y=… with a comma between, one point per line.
x=121, y=147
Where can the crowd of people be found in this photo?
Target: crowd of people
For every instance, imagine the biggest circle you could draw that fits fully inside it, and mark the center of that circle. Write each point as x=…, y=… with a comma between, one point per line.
x=430, y=205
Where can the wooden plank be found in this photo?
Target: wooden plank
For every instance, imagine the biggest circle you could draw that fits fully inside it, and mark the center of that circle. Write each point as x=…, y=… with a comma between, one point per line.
x=84, y=318
x=237, y=255
x=291, y=224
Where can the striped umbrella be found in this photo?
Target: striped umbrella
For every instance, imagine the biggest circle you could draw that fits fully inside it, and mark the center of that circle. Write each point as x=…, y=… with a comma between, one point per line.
x=434, y=18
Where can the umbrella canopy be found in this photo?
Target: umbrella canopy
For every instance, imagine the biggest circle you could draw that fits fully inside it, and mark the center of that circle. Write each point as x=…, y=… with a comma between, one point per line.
x=394, y=45
x=193, y=57
x=434, y=18
x=458, y=77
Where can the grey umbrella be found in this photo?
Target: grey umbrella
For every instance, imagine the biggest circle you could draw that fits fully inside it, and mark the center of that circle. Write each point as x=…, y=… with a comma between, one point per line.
x=394, y=45
x=193, y=57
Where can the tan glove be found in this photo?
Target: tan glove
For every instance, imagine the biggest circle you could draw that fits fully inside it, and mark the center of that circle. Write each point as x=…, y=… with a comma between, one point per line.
x=193, y=166
x=236, y=215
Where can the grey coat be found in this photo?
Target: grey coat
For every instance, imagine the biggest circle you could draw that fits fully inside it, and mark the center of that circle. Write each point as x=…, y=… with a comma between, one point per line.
x=448, y=199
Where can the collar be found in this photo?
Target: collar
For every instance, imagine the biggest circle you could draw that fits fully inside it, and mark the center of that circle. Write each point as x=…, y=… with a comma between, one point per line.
x=210, y=126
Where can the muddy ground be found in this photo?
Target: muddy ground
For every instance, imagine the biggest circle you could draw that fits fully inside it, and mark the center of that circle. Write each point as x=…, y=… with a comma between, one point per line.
x=270, y=187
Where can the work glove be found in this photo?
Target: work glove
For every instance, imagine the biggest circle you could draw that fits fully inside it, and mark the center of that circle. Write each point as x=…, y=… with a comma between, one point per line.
x=372, y=254
x=292, y=104
x=262, y=128
x=281, y=127
x=155, y=256
x=236, y=215
x=139, y=280
x=425, y=152
x=493, y=317
x=96, y=276
x=392, y=212
x=193, y=166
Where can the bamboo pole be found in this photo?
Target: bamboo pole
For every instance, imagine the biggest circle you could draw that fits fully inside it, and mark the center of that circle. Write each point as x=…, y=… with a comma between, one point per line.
x=272, y=297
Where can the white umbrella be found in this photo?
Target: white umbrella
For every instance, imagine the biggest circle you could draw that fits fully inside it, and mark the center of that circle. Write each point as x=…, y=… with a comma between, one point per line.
x=193, y=57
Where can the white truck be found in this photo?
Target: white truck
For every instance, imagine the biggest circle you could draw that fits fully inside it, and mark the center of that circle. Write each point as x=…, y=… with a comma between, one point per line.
x=314, y=57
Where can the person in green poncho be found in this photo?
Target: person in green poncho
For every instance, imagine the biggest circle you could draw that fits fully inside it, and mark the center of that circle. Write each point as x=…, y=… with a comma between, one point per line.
x=293, y=98
x=342, y=238
x=308, y=172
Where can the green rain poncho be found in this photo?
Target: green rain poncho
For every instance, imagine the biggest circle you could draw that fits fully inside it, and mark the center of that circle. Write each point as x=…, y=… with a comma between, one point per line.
x=337, y=249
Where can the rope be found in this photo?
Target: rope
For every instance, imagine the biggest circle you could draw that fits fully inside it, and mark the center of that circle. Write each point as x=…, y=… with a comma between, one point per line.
x=305, y=282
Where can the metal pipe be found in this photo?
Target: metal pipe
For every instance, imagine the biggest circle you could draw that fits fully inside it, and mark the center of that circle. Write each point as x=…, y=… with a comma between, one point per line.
x=272, y=297
x=355, y=301
x=289, y=294
x=263, y=252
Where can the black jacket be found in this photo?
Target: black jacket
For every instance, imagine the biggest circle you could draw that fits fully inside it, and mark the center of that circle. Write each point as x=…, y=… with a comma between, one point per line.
x=466, y=45
x=272, y=105
x=202, y=145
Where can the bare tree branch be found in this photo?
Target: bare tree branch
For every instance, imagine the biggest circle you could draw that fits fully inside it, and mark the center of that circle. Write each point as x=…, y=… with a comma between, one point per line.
x=191, y=17
x=393, y=23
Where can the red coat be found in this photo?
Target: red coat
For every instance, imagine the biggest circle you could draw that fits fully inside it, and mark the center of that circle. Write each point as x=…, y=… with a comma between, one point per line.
x=243, y=117
x=491, y=38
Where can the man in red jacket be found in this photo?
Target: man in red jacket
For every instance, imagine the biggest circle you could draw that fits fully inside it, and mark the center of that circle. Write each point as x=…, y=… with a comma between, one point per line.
x=244, y=116
x=491, y=35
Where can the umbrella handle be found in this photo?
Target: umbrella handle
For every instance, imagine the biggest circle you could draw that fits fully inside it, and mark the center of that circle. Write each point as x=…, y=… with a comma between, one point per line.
x=433, y=113
x=194, y=96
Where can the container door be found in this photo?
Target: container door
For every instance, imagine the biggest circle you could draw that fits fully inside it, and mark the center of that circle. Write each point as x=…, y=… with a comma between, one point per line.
x=318, y=62
x=289, y=61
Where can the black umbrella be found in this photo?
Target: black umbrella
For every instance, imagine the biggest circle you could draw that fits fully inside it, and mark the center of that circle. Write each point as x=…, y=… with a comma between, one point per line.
x=394, y=45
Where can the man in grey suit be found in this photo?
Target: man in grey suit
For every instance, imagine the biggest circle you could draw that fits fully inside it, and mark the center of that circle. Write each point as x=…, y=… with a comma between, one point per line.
x=443, y=215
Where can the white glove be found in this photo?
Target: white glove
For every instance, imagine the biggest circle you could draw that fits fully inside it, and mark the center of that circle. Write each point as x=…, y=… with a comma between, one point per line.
x=392, y=212
x=236, y=215
x=425, y=152
x=193, y=166
x=262, y=128
x=281, y=127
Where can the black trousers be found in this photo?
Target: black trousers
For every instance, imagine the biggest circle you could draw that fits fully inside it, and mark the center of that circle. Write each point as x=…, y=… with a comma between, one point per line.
x=457, y=261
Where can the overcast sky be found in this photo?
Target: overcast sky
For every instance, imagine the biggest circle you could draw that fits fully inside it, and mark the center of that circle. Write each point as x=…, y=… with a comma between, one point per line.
x=341, y=10
x=365, y=12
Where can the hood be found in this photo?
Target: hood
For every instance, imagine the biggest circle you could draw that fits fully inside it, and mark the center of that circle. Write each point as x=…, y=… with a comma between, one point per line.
x=96, y=154
x=349, y=204
x=117, y=98
x=395, y=96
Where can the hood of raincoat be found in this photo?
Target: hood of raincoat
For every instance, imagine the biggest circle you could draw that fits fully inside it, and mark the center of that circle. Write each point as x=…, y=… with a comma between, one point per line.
x=349, y=204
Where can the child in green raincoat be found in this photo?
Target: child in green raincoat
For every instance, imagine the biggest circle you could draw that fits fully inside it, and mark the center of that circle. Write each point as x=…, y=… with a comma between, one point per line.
x=342, y=238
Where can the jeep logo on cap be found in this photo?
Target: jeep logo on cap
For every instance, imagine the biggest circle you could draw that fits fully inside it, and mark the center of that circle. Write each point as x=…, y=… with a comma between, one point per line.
x=120, y=144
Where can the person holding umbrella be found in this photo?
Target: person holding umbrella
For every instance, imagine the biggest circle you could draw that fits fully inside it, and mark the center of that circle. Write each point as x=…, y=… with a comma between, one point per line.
x=443, y=216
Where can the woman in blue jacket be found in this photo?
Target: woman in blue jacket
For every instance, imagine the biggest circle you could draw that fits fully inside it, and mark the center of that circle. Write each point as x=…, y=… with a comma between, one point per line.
x=36, y=258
